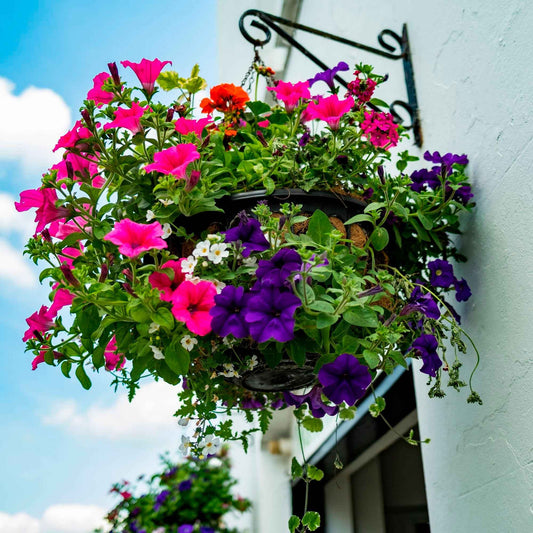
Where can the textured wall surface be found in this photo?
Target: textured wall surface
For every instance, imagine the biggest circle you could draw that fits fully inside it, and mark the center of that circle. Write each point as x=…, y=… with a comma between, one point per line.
x=472, y=63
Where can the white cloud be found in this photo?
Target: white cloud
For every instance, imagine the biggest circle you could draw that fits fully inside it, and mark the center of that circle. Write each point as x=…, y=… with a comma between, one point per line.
x=13, y=222
x=14, y=268
x=31, y=124
x=60, y=518
x=148, y=417
x=18, y=523
x=72, y=518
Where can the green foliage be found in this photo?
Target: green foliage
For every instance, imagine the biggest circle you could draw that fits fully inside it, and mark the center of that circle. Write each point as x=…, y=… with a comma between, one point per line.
x=311, y=520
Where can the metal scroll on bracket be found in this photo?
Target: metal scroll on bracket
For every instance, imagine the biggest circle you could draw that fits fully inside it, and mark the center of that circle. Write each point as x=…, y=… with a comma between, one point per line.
x=397, y=48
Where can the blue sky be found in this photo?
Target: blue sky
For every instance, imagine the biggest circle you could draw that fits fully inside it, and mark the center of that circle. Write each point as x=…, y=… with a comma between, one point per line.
x=59, y=445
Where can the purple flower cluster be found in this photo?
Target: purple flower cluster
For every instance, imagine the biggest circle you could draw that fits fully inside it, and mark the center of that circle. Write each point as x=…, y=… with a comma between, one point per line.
x=422, y=303
x=433, y=178
x=267, y=311
x=441, y=275
x=160, y=499
x=314, y=400
x=328, y=75
x=248, y=233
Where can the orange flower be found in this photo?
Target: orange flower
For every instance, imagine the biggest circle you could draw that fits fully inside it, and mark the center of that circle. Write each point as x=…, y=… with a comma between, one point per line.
x=226, y=98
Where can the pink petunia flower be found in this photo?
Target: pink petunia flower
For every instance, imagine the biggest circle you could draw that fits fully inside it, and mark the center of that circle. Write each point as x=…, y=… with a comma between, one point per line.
x=330, y=110
x=62, y=298
x=162, y=281
x=147, y=71
x=38, y=359
x=380, y=129
x=132, y=238
x=84, y=167
x=291, y=94
x=97, y=94
x=185, y=126
x=113, y=359
x=191, y=303
x=128, y=118
x=69, y=140
x=68, y=255
x=45, y=202
x=174, y=160
x=61, y=229
x=39, y=322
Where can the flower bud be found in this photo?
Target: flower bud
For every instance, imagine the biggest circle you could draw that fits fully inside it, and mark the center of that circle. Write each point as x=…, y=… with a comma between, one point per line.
x=192, y=180
x=69, y=276
x=70, y=170
x=261, y=138
x=181, y=110
x=114, y=73
x=170, y=114
x=87, y=118
x=381, y=174
x=129, y=290
x=127, y=272
x=46, y=235
x=103, y=273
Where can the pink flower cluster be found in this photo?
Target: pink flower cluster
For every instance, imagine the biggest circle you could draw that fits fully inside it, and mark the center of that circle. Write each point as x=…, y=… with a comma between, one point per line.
x=380, y=129
x=291, y=94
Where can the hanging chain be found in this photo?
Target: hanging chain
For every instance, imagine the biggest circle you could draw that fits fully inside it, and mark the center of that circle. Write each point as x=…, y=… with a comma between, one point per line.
x=258, y=66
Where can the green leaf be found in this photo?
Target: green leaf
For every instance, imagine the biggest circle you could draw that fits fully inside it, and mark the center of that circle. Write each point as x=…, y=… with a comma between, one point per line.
x=138, y=311
x=374, y=206
x=422, y=233
x=350, y=344
x=321, y=306
x=296, y=469
x=311, y=520
x=83, y=378
x=258, y=107
x=65, y=368
x=361, y=316
x=398, y=357
x=319, y=227
x=177, y=358
x=379, y=103
x=377, y=407
x=167, y=374
x=269, y=185
x=314, y=473
x=315, y=425
x=169, y=80
x=359, y=218
x=88, y=320
x=346, y=414
x=164, y=318
x=305, y=292
x=379, y=238
x=98, y=357
x=294, y=523
x=324, y=320
x=426, y=221
x=372, y=358
x=297, y=352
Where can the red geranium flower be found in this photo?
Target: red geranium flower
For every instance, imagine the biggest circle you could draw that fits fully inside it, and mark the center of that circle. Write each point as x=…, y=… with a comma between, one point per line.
x=226, y=98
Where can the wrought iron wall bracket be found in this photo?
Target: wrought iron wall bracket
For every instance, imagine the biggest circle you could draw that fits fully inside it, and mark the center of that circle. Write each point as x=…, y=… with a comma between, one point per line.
x=393, y=47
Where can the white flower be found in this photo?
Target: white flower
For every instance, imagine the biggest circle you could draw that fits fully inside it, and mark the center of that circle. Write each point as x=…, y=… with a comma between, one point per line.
x=167, y=231
x=252, y=363
x=188, y=342
x=214, y=237
x=185, y=446
x=189, y=264
x=183, y=422
x=159, y=530
x=210, y=445
x=153, y=327
x=192, y=278
x=229, y=371
x=150, y=215
x=219, y=285
x=166, y=201
x=272, y=238
x=201, y=249
x=249, y=261
x=227, y=341
x=217, y=252
x=158, y=354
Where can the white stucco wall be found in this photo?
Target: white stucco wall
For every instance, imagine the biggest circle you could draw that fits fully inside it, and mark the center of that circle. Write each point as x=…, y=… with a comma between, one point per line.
x=472, y=63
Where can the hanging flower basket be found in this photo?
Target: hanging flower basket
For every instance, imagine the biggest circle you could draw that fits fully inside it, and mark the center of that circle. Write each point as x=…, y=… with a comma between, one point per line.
x=263, y=248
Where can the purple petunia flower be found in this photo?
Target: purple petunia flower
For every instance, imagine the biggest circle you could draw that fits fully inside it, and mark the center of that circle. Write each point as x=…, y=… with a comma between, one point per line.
x=277, y=404
x=160, y=499
x=422, y=303
x=248, y=233
x=446, y=160
x=185, y=485
x=425, y=346
x=345, y=379
x=270, y=314
x=186, y=528
x=463, y=290
x=423, y=177
x=275, y=271
x=441, y=273
x=228, y=312
x=251, y=403
x=329, y=75
x=204, y=529
x=314, y=399
x=463, y=194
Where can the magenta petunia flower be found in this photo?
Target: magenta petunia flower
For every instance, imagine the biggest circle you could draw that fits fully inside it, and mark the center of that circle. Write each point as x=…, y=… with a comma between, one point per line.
x=330, y=110
x=39, y=322
x=84, y=167
x=38, y=359
x=162, y=281
x=191, y=303
x=62, y=298
x=97, y=94
x=291, y=94
x=380, y=129
x=45, y=202
x=69, y=140
x=132, y=238
x=128, y=118
x=185, y=126
x=147, y=71
x=174, y=160
x=113, y=359
x=68, y=255
x=61, y=229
